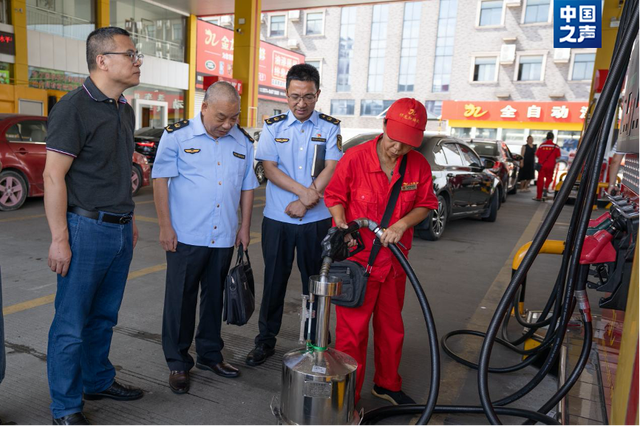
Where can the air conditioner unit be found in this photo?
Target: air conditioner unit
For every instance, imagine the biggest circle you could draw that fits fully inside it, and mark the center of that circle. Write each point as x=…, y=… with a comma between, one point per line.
x=226, y=21
x=292, y=43
x=502, y=94
x=561, y=55
x=556, y=94
x=294, y=15
x=507, y=54
x=512, y=3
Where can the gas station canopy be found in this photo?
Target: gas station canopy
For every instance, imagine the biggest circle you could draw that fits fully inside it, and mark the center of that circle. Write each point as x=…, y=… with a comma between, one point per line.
x=225, y=7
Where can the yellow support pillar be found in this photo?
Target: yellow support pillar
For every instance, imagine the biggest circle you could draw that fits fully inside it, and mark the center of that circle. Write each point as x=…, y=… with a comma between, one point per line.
x=189, y=98
x=19, y=21
x=246, y=57
x=103, y=17
x=624, y=404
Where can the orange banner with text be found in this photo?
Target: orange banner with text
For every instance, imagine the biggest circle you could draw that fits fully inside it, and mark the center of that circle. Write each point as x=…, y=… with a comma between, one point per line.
x=517, y=112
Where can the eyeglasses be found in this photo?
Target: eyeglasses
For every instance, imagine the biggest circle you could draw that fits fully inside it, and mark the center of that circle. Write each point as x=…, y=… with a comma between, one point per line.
x=307, y=98
x=134, y=56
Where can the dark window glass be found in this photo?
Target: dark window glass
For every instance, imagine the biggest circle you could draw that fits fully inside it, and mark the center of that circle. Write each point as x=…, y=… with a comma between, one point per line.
x=452, y=154
x=469, y=157
x=13, y=134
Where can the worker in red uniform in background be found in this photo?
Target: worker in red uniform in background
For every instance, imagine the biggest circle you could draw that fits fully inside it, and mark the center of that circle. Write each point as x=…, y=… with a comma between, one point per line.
x=547, y=154
x=361, y=187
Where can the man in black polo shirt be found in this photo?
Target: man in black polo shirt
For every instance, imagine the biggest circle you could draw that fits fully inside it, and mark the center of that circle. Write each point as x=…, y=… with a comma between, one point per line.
x=89, y=208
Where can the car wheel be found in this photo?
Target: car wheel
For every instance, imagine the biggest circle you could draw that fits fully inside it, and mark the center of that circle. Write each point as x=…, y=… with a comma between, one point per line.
x=435, y=222
x=503, y=194
x=136, y=180
x=13, y=190
x=260, y=173
x=514, y=190
x=493, y=209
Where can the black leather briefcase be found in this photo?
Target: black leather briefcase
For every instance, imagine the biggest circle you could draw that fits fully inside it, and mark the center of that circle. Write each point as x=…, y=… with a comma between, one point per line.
x=239, y=291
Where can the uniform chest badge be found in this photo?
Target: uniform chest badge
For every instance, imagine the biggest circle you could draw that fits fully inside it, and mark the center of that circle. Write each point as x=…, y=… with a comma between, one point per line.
x=318, y=139
x=282, y=140
x=409, y=186
x=241, y=156
x=192, y=150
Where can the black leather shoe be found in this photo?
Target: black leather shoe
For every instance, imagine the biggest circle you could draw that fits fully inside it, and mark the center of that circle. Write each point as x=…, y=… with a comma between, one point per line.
x=259, y=354
x=72, y=419
x=116, y=391
x=223, y=369
x=179, y=381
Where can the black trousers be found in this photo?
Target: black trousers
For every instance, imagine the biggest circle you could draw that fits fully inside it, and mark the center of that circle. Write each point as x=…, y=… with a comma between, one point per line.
x=280, y=242
x=188, y=269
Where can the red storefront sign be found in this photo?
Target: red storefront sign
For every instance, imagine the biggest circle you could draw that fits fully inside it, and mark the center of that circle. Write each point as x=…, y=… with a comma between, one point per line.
x=208, y=80
x=214, y=57
x=541, y=112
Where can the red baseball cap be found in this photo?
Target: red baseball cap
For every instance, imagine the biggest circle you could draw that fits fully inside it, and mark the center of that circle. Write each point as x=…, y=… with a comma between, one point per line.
x=406, y=121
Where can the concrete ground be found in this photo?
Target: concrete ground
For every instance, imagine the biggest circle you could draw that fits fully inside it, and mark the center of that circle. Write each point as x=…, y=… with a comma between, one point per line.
x=463, y=274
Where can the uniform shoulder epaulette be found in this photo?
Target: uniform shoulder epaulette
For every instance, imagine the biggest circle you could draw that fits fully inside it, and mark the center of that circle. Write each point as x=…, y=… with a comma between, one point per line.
x=177, y=125
x=275, y=119
x=330, y=119
x=246, y=134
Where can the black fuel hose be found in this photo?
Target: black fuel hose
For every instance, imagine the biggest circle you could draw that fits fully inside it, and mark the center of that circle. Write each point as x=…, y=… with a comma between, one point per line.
x=427, y=410
x=618, y=67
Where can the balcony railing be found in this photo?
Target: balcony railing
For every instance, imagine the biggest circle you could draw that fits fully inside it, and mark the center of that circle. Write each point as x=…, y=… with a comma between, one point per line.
x=52, y=22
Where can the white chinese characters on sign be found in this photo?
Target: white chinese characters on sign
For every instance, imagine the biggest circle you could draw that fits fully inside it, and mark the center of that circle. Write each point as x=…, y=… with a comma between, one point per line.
x=508, y=112
x=578, y=20
x=559, y=112
x=583, y=112
x=533, y=111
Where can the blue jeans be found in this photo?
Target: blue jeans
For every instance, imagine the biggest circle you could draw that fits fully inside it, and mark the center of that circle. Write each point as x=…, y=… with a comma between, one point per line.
x=87, y=305
x=3, y=359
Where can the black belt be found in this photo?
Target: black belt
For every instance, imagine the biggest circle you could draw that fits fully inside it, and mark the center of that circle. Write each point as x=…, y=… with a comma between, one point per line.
x=105, y=217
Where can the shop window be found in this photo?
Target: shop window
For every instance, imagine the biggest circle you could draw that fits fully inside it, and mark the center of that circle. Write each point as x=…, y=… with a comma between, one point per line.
x=583, y=66
x=314, y=23
x=539, y=136
x=461, y=132
x=371, y=107
x=5, y=12
x=154, y=30
x=277, y=25
x=70, y=18
x=343, y=106
x=536, y=11
x=530, y=68
x=484, y=69
x=486, y=133
x=490, y=13
x=513, y=136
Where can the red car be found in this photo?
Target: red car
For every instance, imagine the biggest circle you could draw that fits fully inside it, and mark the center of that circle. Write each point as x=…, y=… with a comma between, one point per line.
x=23, y=153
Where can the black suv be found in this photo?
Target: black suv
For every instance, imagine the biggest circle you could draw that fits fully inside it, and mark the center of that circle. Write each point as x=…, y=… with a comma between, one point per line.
x=462, y=182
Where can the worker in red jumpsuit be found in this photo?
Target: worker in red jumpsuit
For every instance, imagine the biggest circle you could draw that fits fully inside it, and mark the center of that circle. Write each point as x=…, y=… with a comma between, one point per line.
x=361, y=187
x=547, y=154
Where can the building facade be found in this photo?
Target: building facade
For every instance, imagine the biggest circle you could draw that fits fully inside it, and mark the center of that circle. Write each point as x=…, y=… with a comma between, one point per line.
x=49, y=58
x=487, y=53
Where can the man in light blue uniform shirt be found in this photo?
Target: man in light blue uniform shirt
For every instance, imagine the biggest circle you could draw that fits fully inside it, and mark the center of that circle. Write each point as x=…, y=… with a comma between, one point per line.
x=202, y=172
x=295, y=217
